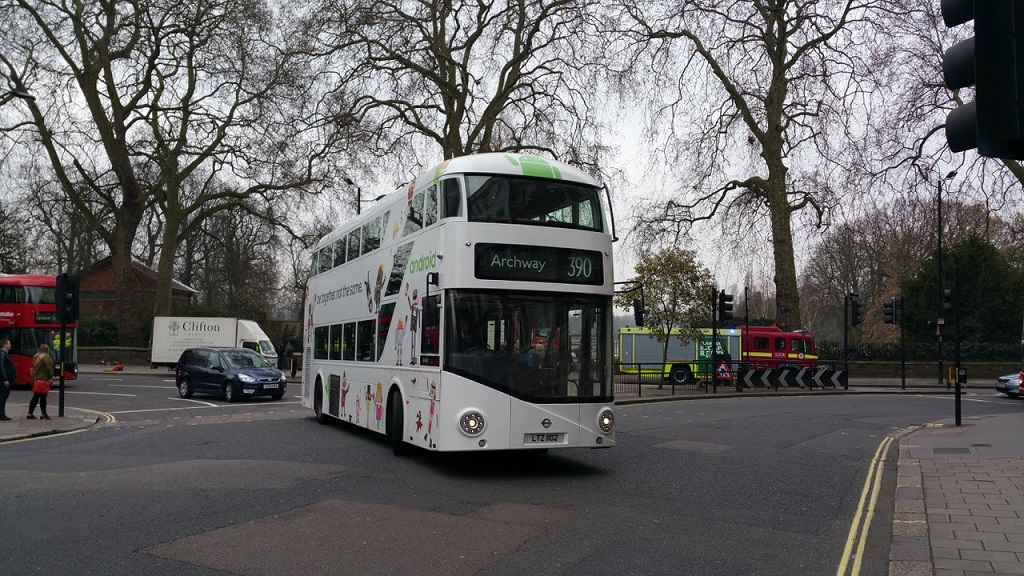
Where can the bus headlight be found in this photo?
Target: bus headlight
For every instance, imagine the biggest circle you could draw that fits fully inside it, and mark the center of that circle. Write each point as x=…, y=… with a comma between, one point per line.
x=606, y=420
x=472, y=423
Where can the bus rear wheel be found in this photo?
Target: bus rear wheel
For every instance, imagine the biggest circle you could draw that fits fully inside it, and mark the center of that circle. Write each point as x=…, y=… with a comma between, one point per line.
x=396, y=424
x=680, y=374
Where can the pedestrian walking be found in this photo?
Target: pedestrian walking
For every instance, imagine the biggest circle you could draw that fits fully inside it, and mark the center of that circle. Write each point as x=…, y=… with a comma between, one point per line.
x=10, y=374
x=42, y=375
x=289, y=352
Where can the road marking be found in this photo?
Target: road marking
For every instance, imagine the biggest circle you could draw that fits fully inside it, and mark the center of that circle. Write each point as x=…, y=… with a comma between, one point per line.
x=106, y=415
x=201, y=406
x=869, y=494
x=69, y=392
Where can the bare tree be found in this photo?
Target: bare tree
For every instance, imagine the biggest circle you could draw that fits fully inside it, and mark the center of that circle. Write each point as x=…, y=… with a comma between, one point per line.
x=876, y=253
x=758, y=105
x=466, y=77
x=134, y=98
x=906, y=145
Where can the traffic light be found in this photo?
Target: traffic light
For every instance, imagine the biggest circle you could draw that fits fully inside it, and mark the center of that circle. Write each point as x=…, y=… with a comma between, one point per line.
x=638, y=312
x=67, y=298
x=947, y=299
x=889, y=312
x=856, y=312
x=993, y=62
x=724, y=306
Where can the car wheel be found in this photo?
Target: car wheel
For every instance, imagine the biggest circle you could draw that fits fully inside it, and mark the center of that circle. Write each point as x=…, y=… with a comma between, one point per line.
x=185, y=389
x=277, y=396
x=229, y=393
x=318, y=405
x=396, y=424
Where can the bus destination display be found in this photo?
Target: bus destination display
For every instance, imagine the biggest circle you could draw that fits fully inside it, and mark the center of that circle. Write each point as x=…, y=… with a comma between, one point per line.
x=538, y=264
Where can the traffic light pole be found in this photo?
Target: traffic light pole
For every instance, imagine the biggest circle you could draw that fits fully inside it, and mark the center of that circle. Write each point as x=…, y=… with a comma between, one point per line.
x=938, y=279
x=956, y=340
x=903, y=344
x=61, y=359
x=846, y=332
x=66, y=300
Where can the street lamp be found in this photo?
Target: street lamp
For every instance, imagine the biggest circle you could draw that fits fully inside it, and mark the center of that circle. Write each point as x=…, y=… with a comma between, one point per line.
x=938, y=276
x=359, y=193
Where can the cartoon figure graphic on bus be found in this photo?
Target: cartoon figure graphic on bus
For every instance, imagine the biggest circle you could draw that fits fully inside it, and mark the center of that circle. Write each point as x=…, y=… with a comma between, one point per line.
x=369, y=404
x=369, y=294
x=358, y=405
x=419, y=420
x=440, y=169
x=378, y=289
x=399, y=337
x=414, y=319
x=378, y=404
x=432, y=416
x=344, y=393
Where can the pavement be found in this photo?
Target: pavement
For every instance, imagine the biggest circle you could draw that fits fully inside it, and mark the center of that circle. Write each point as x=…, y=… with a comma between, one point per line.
x=959, y=506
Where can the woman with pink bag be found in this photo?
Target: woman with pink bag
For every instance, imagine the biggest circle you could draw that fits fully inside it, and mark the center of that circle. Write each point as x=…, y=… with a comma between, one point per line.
x=42, y=375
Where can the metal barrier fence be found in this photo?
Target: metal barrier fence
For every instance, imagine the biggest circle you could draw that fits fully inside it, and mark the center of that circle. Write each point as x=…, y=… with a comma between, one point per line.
x=632, y=378
x=708, y=377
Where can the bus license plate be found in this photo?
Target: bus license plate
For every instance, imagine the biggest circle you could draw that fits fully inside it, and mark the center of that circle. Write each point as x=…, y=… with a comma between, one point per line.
x=270, y=385
x=543, y=438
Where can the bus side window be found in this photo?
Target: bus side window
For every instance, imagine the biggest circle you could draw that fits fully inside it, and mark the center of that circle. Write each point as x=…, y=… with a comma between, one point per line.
x=451, y=198
x=339, y=251
x=365, y=345
x=414, y=219
x=326, y=258
x=430, y=206
x=348, y=342
x=398, y=264
x=353, y=244
x=335, y=352
x=371, y=236
x=320, y=337
x=387, y=311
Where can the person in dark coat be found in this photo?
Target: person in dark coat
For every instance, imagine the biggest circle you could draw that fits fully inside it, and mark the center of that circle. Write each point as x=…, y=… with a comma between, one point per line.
x=10, y=374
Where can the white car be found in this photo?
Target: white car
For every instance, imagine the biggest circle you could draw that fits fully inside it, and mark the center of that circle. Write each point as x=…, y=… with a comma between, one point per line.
x=1009, y=384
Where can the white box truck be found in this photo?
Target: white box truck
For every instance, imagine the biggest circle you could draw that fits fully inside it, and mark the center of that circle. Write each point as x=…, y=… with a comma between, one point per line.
x=173, y=334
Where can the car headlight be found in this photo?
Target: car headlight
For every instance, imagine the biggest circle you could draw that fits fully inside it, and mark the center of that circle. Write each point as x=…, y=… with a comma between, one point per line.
x=472, y=423
x=606, y=420
x=246, y=378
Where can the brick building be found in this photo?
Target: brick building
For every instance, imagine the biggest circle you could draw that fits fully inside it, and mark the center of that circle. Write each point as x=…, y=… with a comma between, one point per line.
x=98, y=299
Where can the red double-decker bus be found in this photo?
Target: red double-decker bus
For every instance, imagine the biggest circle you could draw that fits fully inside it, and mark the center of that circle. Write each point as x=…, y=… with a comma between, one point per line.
x=28, y=317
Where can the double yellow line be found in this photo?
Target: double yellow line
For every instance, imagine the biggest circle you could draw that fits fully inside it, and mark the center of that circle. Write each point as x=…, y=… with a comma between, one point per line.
x=862, y=520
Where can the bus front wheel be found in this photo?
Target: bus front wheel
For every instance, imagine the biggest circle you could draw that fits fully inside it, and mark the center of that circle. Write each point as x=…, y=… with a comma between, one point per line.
x=396, y=424
x=679, y=374
x=318, y=405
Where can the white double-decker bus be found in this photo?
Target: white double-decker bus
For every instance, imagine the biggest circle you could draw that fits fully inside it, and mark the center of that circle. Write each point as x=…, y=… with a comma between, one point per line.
x=471, y=310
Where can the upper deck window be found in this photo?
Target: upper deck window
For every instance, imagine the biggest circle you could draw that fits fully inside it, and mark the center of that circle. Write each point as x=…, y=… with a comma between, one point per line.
x=27, y=294
x=533, y=201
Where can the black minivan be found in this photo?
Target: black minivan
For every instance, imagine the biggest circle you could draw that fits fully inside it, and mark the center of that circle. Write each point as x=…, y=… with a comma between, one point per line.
x=231, y=373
